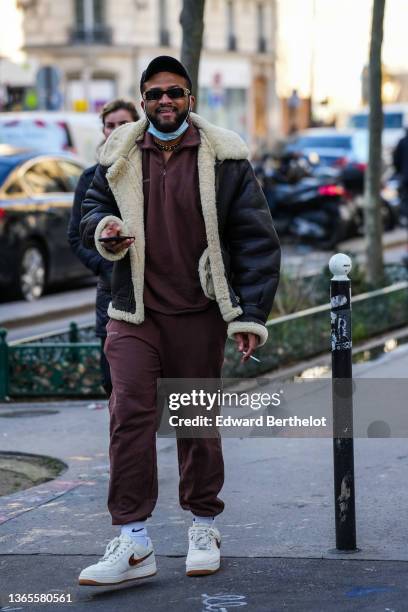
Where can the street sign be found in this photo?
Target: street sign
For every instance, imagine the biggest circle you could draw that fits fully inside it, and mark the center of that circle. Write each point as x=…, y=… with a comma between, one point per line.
x=81, y=106
x=216, y=93
x=48, y=80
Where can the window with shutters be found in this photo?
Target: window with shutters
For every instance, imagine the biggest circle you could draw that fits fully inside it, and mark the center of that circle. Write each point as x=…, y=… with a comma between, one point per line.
x=164, y=34
x=261, y=42
x=231, y=36
x=90, y=24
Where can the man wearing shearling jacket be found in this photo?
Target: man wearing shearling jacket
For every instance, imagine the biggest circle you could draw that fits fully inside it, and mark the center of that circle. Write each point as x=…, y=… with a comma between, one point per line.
x=201, y=262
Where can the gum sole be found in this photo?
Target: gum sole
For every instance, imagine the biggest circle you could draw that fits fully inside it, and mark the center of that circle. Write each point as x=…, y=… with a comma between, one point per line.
x=101, y=584
x=201, y=572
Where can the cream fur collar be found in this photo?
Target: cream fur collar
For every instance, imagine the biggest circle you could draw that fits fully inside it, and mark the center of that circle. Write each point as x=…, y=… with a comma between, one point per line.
x=125, y=177
x=224, y=144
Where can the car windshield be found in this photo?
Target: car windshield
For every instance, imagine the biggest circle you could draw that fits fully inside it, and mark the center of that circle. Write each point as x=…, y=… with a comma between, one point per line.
x=34, y=134
x=392, y=121
x=321, y=142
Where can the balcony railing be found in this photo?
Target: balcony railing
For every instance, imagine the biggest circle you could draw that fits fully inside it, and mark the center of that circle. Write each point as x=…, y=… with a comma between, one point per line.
x=97, y=35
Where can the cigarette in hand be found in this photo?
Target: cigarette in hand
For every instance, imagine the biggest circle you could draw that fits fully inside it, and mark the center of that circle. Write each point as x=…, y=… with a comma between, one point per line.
x=252, y=357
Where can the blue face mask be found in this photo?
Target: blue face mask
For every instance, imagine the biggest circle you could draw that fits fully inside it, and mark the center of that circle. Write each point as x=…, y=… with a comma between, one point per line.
x=165, y=136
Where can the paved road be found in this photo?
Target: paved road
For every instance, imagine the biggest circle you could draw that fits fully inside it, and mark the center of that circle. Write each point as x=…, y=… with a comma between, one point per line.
x=253, y=585
x=54, y=325
x=51, y=312
x=277, y=529
x=307, y=260
x=303, y=258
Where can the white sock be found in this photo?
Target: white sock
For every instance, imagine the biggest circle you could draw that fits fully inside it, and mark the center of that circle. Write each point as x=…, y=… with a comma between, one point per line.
x=137, y=531
x=204, y=520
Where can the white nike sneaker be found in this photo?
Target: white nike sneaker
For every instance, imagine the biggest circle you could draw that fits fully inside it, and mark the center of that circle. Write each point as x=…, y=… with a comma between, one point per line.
x=203, y=551
x=123, y=560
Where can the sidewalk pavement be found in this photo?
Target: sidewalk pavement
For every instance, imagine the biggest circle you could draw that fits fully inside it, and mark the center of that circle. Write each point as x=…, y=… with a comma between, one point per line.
x=277, y=528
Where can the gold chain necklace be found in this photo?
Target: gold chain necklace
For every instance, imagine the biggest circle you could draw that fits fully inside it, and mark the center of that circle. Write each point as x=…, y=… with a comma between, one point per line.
x=164, y=147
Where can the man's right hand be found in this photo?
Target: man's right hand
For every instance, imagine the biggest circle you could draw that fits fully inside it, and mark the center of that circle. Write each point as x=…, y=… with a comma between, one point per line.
x=114, y=229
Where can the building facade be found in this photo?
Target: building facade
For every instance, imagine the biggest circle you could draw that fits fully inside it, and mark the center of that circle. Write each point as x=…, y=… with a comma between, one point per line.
x=100, y=48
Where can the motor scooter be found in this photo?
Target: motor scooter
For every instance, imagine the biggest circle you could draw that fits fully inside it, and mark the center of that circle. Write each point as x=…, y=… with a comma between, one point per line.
x=305, y=207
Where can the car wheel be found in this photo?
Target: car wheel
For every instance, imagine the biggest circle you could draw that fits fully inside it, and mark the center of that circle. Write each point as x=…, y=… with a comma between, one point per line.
x=32, y=271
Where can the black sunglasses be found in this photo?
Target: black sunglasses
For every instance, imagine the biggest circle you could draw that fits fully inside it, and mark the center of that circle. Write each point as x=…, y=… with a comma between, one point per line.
x=174, y=93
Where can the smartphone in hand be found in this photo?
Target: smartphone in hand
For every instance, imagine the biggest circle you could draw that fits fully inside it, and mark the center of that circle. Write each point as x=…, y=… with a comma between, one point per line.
x=115, y=239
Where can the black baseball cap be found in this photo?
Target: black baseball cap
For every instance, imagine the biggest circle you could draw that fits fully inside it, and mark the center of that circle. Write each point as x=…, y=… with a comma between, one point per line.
x=164, y=63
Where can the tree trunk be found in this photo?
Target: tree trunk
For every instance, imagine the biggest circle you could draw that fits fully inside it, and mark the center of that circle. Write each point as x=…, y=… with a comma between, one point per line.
x=372, y=216
x=192, y=23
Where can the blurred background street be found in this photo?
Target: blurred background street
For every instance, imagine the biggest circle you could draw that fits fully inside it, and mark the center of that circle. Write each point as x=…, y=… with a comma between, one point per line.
x=291, y=77
x=62, y=304
x=318, y=90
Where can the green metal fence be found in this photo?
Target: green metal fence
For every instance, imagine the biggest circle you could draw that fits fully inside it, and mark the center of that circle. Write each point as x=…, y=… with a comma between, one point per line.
x=54, y=365
x=306, y=334
x=67, y=364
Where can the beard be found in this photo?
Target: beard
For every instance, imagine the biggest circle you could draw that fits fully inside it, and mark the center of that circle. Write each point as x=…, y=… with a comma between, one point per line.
x=167, y=124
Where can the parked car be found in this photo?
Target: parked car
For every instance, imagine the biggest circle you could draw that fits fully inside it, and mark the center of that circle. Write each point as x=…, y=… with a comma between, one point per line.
x=65, y=132
x=329, y=147
x=36, y=195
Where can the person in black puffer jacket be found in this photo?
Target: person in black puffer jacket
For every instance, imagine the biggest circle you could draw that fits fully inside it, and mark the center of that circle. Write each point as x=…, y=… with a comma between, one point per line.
x=115, y=113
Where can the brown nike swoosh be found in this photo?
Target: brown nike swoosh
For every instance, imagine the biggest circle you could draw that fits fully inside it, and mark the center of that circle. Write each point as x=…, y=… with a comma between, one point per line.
x=133, y=561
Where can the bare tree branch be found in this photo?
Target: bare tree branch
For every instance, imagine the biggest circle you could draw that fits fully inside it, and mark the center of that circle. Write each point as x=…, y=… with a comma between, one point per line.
x=372, y=217
x=192, y=23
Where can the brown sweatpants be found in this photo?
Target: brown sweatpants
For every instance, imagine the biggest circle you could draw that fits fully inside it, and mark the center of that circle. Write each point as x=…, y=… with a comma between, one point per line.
x=163, y=346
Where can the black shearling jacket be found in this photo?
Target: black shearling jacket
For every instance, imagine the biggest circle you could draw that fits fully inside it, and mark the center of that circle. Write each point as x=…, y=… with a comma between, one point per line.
x=240, y=266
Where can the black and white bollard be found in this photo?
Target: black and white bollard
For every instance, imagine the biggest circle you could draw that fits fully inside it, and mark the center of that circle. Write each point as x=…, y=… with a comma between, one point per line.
x=342, y=392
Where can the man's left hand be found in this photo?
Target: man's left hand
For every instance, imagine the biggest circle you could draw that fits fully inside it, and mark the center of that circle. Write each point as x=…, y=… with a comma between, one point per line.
x=246, y=343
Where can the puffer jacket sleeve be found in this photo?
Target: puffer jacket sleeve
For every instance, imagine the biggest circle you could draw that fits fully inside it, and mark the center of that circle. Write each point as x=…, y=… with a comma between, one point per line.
x=89, y=257
x=254, y=252
x=98, y=209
